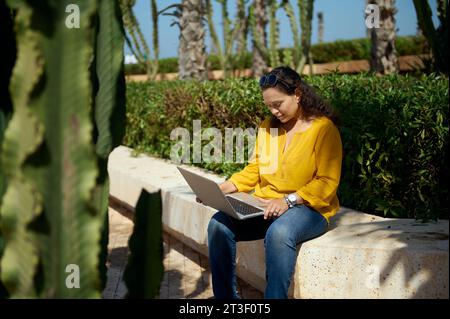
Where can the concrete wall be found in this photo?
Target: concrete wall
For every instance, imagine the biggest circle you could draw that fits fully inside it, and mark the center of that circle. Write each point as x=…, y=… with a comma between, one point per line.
x=361, y=256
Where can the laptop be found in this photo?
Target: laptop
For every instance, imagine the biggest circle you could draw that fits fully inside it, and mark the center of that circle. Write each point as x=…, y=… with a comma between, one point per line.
x=238, y=205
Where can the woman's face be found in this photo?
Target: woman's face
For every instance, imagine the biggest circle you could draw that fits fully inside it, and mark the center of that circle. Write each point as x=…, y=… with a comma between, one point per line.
x=282, y=106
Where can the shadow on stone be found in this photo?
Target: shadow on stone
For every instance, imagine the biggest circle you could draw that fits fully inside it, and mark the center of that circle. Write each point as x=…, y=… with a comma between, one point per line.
x=413, y=249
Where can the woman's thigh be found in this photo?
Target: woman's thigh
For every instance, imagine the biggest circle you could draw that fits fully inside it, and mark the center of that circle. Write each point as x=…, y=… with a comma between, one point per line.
x=299, y=224
x=244, y=230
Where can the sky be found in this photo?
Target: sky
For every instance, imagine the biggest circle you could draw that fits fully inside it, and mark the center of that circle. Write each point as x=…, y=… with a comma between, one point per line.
x=343, y=20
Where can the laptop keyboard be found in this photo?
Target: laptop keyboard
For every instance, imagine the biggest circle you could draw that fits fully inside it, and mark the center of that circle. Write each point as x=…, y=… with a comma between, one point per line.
x=242, y=207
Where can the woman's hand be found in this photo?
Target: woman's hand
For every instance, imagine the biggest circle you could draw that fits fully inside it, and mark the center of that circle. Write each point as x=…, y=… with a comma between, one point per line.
x=274, y=207
x=228, y=187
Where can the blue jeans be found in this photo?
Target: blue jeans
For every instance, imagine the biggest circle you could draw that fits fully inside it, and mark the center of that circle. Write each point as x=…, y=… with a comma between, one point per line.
x=281, y=236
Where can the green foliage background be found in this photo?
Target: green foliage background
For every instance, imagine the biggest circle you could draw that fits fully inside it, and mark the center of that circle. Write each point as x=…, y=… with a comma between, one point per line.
x=341, y=50
x=394, y=131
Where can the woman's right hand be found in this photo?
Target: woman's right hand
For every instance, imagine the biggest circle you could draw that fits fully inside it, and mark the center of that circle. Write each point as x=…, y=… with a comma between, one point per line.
x=228, y=187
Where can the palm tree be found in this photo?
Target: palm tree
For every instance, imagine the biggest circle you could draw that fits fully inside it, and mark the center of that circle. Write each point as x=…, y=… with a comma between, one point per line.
x=242, y=20
x=320, y=22
x=192, y=50
x=259, y=36
x=384, y=55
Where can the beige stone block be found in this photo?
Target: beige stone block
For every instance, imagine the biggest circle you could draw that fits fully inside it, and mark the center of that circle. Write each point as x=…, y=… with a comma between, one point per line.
x=361, y=256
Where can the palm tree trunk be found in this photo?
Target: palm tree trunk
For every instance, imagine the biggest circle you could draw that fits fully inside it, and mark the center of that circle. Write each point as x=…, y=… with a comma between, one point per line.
x=320, y=22
x=241, y=46
x=192, y=50
x=259, y=66
x=384, y=55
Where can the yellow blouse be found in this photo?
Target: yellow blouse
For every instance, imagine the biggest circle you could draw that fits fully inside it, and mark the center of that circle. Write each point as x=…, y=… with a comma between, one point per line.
x=310, y=166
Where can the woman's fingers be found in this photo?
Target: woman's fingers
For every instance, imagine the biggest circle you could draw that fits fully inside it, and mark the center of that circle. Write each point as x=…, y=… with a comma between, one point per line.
x=274, y=209
x=271, y=211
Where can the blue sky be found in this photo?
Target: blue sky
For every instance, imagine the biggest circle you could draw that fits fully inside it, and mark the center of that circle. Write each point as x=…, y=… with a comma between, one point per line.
x=343, y=19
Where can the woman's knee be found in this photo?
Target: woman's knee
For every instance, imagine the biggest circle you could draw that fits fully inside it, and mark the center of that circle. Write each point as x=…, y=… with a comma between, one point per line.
x=279, y=234
x=219, y=225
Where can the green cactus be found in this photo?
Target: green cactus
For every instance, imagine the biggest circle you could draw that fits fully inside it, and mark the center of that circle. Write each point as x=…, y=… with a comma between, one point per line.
x=270, y=54
x=436, y=38
x=231, y=34
x=129, y=21
x=155, y=39
x=242, y=32
x=9, y=56
x=145, y=269
x=242, y=28
x=212, y=31
x=288, y=58
x=302, y=41
x=56, y=173
x=306, y=8
x=54, y=154
x=274, y=33
x=252, y=22
x=109, y=109
x=137, y=44
x=296, y=51
x=215, y=38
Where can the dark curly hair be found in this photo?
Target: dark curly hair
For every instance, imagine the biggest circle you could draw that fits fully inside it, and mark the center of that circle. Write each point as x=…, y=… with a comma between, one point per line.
x=311, y=104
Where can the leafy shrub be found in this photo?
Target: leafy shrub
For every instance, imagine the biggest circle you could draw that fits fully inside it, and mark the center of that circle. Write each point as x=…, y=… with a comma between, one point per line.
x=341, y=50
x=394, y=131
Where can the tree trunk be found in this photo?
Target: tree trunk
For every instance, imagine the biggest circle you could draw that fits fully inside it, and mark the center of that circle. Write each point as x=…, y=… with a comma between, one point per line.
x=192, y=50
x=241, y=46
x=259, y=66
x=384, y=55
x=320, y=21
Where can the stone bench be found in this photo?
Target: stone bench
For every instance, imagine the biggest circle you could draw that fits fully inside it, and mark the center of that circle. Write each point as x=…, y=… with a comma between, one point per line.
x=361, y=256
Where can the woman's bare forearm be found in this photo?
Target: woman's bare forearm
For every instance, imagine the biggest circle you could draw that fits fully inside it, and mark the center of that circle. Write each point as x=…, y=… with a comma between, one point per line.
x=228, y=187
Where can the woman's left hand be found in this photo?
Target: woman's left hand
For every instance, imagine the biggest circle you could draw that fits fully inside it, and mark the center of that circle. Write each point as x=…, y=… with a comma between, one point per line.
x=274, y=207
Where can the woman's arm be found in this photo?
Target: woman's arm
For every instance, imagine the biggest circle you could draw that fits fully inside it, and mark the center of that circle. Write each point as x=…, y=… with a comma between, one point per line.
x=321, y=190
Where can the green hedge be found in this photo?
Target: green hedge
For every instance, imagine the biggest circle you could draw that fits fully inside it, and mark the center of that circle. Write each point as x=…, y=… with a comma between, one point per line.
x=394, y=130
x=341, y=50
x=359, y=49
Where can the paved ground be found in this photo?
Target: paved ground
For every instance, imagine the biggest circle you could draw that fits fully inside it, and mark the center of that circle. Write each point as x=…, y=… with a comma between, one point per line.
x=186, y=275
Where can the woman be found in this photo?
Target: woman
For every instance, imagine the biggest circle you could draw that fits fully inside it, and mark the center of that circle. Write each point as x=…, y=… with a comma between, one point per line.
x=298, y=193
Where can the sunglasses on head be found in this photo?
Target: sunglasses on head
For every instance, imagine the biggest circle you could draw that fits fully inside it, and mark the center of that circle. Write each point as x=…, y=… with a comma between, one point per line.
x=271, y=80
